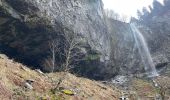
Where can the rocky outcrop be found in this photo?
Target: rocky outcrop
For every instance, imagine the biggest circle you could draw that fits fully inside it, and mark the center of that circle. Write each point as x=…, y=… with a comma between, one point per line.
x=27, y=25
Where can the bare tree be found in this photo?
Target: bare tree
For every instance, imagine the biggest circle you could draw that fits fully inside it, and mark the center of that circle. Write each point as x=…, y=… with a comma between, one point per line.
x=71, y=50
x=124, y=18
x=139, y=14
x=71, y=53
x=111, y=14
x=50, y=62
x=53, y=44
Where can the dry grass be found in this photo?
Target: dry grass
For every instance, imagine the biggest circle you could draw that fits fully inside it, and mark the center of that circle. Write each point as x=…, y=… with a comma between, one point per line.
x=13, y=76
x=164, y=84
x=144, y=89
x=88, y=89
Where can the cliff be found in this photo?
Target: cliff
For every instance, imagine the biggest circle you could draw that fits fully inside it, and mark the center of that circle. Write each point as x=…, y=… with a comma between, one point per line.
x=156, y=31
x=27, y=26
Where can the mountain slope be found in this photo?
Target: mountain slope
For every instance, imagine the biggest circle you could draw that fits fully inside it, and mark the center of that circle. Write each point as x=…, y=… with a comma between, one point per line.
x=14, y=78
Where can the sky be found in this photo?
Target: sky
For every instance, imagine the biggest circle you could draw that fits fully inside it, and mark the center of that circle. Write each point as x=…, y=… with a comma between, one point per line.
x=127, y=7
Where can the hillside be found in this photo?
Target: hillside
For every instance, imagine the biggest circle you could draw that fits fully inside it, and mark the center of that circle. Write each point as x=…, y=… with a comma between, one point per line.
x=14, y=76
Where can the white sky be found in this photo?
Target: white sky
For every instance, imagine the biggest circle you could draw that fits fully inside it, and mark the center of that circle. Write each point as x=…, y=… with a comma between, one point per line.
x=127, y=7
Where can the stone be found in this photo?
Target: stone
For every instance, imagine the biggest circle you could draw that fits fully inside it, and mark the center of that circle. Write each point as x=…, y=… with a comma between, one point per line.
x=30, y=81
x=39, y=71
x=123, y=98
x=119, y=80
x=28, y=86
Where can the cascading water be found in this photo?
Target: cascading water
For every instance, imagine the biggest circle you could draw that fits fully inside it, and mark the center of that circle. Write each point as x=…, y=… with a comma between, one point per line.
x=144, y=52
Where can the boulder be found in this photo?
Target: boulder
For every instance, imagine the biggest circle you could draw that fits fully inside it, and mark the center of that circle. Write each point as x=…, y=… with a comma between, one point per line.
x=28, y=86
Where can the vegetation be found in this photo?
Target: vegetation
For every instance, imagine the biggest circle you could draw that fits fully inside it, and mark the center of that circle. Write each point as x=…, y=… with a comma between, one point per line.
x=91, y=57
x=113, y=15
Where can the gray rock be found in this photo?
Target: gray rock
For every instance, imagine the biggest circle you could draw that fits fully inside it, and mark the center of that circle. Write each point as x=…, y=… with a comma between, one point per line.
x=39, y=71
x=160, y=61
x=30, y=81
x=120, y=80
x=28, y=86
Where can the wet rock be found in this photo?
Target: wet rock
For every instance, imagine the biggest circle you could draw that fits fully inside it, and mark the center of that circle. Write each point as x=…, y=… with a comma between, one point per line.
x=160, y=61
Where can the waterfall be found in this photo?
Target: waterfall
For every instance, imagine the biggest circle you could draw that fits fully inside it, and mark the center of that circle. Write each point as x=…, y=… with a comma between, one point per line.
x=144, y=51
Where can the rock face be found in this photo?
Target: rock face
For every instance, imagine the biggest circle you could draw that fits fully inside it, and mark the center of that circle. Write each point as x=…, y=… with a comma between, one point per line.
x=26, y=26
x=124, y=49
x=125, y=53
x=155, y=27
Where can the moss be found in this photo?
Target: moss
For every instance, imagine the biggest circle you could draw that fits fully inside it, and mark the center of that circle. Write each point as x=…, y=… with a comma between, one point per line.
x=91, y=57
x=51, y=97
